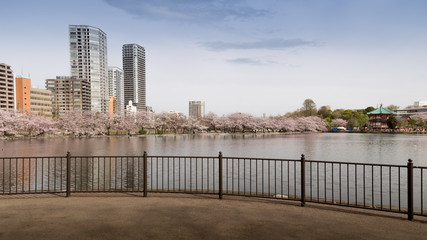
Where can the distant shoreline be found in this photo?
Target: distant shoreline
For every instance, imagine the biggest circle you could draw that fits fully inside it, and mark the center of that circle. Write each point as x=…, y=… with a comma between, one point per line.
x=155, y=135
x=202, y=133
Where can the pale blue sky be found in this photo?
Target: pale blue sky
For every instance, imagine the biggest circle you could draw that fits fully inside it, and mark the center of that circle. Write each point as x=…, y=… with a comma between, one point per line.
x=254, y=56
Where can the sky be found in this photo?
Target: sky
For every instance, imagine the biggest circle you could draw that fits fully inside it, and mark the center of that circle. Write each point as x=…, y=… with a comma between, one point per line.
x=250, y=56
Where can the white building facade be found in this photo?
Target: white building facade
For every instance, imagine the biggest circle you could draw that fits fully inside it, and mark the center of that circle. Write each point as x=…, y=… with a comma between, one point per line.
x=196, y=109
x=88, y=60
x=116, y=87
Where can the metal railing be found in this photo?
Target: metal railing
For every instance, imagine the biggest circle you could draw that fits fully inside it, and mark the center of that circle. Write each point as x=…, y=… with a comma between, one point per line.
x=391, y=188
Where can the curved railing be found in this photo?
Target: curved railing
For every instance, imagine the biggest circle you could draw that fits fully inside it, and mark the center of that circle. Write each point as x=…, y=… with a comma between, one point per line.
x=392, y=188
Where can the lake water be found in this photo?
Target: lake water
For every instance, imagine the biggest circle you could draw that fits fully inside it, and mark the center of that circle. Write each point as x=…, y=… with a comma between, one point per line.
x=342, y=147
x=381, y=186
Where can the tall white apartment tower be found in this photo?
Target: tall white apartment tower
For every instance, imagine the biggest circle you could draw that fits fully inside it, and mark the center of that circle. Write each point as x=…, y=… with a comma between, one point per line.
x=88, y=60
x=134, y=75
x=116, y=87
x=196, y=109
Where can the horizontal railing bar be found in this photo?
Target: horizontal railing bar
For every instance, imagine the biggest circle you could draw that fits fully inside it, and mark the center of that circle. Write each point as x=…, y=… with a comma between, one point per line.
x=74, y=156
x=419, y=214
x=57, y=157
x=185, y=192
x=211, y=157
x=32, y=192
x=154, y=156
x=355, y=163
x=106, y=191
x=360, y=207
x=261, y=159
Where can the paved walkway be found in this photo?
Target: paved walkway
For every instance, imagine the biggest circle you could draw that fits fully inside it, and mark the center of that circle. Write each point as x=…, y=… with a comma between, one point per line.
x=177, y=216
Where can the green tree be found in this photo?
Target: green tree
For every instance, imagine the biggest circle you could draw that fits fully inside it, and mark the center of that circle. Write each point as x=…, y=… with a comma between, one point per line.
x=325, y=112
x=362, y=119
x=421, y=123
x=369, y=109
x=392, y=107
x=347, y=114
x=392, y=122
x=412, y=122
x=309, y=108
x=337, y=113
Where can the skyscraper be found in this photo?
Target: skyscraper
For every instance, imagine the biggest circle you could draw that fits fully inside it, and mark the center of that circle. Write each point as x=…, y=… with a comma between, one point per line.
x=88, y=60
x=196, y=109
x=134, y=75
x=116, y=87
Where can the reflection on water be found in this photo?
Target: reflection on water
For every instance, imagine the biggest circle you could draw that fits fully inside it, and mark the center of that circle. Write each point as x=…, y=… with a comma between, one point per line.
x=343, y=147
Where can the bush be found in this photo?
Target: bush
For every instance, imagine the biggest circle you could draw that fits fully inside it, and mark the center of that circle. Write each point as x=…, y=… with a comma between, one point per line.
x=142, y=131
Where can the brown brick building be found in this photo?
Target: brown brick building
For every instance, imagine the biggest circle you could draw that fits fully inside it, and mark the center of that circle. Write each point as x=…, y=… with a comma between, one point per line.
x=69, y=94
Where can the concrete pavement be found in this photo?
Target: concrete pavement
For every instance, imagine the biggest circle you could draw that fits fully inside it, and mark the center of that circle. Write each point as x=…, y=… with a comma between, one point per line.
x=180, y=216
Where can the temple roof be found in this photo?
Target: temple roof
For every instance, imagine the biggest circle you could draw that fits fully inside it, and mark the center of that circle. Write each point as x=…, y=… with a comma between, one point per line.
x=381, y=110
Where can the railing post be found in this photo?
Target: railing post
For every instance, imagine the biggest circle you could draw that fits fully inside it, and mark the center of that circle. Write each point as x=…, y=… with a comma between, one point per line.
x=220, y=175
x=145, y=175
x=302, y=180
x=410, y=189
x=68, y=174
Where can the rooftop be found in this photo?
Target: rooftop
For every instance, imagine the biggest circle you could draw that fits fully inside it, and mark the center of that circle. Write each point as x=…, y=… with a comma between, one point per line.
x=381, y=110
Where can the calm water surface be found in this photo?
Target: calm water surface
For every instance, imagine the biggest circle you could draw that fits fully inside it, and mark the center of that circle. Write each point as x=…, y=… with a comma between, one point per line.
x=343, y=147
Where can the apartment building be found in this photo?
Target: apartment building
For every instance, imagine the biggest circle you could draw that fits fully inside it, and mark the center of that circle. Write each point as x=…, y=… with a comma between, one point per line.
x=69, y=94
x=7, y=99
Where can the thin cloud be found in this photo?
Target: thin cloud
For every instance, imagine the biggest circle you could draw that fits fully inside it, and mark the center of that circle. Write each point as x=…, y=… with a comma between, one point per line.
x=189, y=10
x=269, y=44
x=245, y=61
x=250, y=61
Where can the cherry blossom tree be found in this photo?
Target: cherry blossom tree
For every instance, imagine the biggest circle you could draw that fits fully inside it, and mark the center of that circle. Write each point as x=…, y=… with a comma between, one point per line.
x=339, y=122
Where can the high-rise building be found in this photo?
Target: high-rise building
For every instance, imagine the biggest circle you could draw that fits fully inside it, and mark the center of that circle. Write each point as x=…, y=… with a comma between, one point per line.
x=69, y=94
x=116, y=87
x=22, y=90
x=134, y=75
x=88, y=60
x=41, y=102
x=7, y=99
x=196, y=109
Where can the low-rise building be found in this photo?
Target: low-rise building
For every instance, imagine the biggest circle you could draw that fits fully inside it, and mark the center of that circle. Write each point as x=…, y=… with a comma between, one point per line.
x=41, y=102
x=419, y=107
x=130, y=108
x=112, y=105
x=69, y=94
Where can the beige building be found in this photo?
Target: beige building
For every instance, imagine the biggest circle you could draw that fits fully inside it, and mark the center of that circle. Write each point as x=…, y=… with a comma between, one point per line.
x=112, y=105
x=41, y=102
x=196, y=109
x=69, y=94
x=7, y=99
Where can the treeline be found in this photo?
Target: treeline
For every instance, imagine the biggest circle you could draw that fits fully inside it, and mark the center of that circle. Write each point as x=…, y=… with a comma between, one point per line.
x=306, y=119
x=355, y=119
x=335, y=118
x=95, y=124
